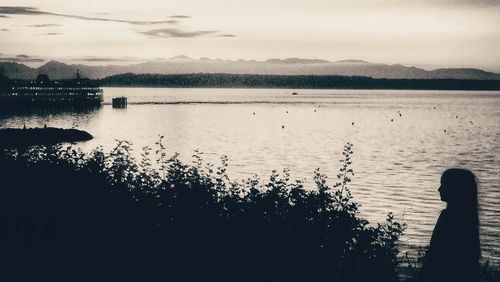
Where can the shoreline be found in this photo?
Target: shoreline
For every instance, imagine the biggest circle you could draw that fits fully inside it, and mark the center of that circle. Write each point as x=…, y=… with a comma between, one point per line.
x=288, y=88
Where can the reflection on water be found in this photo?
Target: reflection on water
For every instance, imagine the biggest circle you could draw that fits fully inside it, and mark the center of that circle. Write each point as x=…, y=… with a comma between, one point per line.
x=403, y=140
x=56, y=117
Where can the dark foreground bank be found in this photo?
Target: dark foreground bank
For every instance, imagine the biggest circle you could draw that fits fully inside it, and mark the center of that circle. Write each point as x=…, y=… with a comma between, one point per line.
x=224, y=80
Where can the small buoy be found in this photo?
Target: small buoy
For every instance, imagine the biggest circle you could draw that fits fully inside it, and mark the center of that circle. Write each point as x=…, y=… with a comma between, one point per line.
x=287, y=112
x=314, y=110
x=253, y=113
x=456, y=117
x=400, y=115
x=282, y=127
x=434, y=108
x=392, y=120
x=353, y=123
x=445, y=130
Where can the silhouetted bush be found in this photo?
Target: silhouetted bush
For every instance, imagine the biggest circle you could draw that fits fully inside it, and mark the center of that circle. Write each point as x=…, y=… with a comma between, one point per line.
x=69, y=215
x=412, y=268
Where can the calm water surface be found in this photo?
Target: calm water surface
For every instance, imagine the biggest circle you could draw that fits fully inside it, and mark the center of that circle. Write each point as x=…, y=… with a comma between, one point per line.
x=397, y=163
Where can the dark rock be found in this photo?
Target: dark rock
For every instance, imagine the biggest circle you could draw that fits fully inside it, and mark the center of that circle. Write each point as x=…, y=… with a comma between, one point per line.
x=41, y=136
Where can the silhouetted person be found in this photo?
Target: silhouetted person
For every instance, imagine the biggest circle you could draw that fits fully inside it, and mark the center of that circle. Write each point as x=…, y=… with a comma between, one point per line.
x=454, y=249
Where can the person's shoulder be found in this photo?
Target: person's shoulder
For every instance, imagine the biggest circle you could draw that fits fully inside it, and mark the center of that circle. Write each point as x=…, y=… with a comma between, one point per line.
x=444, y=213
x=444, y=217
x=450, y=219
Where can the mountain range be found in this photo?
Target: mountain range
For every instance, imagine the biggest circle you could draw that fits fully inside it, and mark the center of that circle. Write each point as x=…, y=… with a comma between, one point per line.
x=289, y=66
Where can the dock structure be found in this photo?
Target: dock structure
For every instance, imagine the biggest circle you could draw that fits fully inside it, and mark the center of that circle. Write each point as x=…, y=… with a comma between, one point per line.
x=119, y=102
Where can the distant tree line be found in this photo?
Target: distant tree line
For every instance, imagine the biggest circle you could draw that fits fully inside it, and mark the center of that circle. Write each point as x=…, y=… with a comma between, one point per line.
x=223, y=80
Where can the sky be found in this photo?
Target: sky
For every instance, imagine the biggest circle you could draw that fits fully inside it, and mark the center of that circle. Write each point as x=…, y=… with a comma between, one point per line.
x=421, y=33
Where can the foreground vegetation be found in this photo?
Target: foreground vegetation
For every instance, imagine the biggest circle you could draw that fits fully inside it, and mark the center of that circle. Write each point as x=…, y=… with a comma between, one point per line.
x=66, y=215
x=70, y=215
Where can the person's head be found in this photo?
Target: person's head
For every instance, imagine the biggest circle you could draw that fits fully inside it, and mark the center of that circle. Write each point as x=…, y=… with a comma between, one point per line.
x=459, y=188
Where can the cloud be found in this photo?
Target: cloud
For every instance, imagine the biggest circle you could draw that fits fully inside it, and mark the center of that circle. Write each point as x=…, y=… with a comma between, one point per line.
x=476, y=2
x=32, y=11
x=180, y=17
x=226, y=35
x=104, y=59
x=43, y=25
x=48, y=34
x=17, y=10
x=176, y=33
x=21, y=58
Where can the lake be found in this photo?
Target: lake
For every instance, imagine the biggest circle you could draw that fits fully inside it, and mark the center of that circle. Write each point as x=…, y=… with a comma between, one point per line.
x=403, y=140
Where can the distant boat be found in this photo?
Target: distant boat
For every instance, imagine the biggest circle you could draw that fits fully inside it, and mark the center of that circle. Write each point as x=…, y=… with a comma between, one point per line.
x=295, y=93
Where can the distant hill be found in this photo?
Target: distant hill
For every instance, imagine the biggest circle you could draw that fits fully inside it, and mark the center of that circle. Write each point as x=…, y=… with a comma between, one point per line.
x=290, y=66
x=15, y=70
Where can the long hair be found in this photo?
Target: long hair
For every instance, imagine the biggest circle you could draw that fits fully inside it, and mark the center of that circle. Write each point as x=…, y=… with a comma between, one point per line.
x=460, y=192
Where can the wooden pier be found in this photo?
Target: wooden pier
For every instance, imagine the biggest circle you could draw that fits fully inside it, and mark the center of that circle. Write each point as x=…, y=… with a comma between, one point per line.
x=119, y=102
